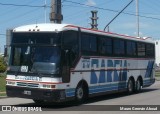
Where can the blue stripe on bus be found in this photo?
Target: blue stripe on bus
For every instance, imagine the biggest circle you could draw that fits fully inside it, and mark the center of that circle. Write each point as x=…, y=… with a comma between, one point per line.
x=108, y=87
x=149, y=69
x=148, y=82
x=70, y=92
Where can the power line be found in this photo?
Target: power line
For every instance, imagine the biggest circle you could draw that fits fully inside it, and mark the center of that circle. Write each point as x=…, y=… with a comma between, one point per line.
x=44, y=6
x=149, y=5
x=22, y=5
x=90, y=6
x=127, y=13
x=81, y=4
x=26, y=5
x=13, y=9
x=20, y=15
x=118, y=15
x=26, y=13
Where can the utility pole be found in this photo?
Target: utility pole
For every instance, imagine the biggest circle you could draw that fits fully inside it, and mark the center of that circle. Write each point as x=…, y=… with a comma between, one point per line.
x=56, y=12
x=137, y=15
x=45, y=12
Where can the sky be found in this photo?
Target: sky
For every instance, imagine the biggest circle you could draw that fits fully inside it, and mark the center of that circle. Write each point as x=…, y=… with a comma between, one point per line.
x=14, y=13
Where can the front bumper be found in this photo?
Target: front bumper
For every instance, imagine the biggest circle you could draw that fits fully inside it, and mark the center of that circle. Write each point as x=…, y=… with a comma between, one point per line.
x=36, y=94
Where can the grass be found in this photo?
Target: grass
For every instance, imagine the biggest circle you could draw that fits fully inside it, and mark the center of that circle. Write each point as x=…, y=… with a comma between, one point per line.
x=2, y=94
x=157, y=74
x=2, y=84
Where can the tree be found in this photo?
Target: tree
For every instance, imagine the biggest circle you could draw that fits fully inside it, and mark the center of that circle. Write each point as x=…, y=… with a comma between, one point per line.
x=3, y=66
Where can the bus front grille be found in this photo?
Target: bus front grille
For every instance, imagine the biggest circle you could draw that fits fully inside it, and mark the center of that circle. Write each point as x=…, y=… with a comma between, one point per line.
x=31, y=85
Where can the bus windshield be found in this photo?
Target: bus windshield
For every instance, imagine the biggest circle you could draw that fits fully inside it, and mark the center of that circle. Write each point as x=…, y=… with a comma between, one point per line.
x=41, y=59
x=38, y=53
x=45, y=59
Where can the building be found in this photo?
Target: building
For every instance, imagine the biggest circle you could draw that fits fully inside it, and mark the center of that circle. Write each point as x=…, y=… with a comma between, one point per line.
x=157, y=52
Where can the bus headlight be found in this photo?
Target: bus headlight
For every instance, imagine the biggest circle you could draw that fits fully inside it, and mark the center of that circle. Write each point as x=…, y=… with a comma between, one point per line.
x=46, y=86
x=11, y=83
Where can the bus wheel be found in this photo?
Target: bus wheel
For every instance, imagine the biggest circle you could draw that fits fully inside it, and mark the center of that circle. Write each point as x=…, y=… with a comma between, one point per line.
x=80, y=93
x=130, y=86
x=38, y=101
x=138, y=85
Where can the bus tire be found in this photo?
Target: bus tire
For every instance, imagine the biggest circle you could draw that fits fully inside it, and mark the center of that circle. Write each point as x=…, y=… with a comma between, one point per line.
x=138, y=85
x=38, y=101
x=80, y=93
x=130, y=86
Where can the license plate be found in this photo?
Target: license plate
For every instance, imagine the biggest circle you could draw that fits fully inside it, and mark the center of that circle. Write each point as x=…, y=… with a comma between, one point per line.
x=27, y=92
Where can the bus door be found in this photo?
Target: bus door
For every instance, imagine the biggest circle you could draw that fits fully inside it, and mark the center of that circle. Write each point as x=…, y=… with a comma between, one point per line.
x=66, y=66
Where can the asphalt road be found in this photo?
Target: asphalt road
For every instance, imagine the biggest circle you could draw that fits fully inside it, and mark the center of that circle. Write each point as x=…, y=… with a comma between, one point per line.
x=148, y=96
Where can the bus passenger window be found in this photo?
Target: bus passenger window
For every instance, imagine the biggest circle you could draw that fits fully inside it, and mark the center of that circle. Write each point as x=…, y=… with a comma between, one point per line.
x=150, y=50
x=105, y=46
x=141, y=49
x=89, y=44
x=131, y=48
x=119, y=49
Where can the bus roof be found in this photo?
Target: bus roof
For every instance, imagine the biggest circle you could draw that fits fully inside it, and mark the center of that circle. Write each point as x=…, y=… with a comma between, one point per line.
x=51, y=27
x=47, y=27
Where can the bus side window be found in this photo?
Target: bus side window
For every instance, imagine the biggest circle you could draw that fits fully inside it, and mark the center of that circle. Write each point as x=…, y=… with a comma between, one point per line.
x=105, y=46
x=85, y=43
x=89, y=44
x=119, y=47
x=70, y=41
x=141, y=49
x=150, y=50
x=131, y=49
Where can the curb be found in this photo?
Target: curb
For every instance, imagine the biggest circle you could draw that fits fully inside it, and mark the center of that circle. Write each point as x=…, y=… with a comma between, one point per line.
x=1, y=97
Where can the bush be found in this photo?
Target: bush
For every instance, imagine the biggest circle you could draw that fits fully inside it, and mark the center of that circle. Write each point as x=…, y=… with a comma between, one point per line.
x=3, y=66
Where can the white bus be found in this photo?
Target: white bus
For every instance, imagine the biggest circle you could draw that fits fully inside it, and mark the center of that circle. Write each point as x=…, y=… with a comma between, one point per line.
x=60, y=62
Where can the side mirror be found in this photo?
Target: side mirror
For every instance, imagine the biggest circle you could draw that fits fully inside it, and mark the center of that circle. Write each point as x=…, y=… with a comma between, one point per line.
x=67, y=57
x=5, y=52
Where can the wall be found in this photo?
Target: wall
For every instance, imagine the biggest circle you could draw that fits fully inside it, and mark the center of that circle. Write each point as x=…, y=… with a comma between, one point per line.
x=157, y=43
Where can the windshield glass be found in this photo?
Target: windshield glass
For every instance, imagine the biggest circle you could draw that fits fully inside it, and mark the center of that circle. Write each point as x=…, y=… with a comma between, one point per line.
x=19, y=56
x=39, y=59
x=45, y=59
x=36, y=38
x=35, y=52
